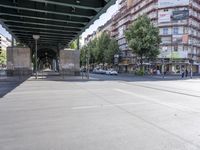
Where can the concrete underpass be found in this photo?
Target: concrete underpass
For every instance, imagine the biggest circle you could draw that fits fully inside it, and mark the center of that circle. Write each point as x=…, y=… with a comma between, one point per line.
x=55, y=24
x=63, y=111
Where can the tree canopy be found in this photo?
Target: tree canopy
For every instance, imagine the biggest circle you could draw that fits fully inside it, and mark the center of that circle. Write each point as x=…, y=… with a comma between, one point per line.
x=143, y=38
x=100, y=50
x=73, y=44
x=3, y=57
x=113, y=49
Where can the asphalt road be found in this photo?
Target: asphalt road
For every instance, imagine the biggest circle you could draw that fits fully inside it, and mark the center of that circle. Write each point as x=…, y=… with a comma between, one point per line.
x=112, y=113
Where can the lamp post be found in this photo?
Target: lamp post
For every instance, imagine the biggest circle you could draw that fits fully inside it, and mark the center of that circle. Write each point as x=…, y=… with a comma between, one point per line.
x=88, y=62
x=36, y=37
x=116, y=61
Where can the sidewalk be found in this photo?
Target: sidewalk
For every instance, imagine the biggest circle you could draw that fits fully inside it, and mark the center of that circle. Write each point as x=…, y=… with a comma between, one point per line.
x=166, y=77
x=98, y=115
x=12, y=78
x=62, y=78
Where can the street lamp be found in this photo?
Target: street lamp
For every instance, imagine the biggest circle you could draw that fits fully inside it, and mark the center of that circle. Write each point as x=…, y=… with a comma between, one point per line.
x=88, y=62
x=36, y=37
x=116, y=60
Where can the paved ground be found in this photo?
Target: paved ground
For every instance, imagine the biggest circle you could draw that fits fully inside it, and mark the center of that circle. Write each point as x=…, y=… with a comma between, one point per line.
x=112, y=114
x=7, y=84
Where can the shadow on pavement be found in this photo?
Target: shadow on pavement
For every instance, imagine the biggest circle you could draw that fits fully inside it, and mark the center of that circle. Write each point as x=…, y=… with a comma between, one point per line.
x=7, y=84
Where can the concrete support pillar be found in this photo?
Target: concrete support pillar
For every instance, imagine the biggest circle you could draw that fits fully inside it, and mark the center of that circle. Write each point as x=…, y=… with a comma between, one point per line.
x=69, y=62
x=58, y=59
x=78, y=43
x=19, y=61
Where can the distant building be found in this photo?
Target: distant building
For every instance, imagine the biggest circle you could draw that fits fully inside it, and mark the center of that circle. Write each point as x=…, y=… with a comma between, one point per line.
x=104, y=28
x=4, y=43
x=89, y=38
x=179, y=24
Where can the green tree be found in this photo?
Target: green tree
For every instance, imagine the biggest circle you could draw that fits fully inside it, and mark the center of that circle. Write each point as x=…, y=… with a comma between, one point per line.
x=113, y=49
x=73, y=44
x=102, y=46
x=83, y=56
x=143, y=38
x=3, y=57
x=92, y=50
x=100, y=50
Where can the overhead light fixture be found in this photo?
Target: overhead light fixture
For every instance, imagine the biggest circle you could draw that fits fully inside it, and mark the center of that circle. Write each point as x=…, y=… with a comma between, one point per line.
x=36, y=37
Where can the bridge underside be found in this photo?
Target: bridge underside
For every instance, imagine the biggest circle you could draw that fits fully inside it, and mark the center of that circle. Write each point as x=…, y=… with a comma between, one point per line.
x=58, y=22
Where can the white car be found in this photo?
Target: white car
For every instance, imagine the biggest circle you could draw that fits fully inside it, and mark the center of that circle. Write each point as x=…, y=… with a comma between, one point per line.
x=95, y=70
x=101, y=71
x=108, y=72
x=2, y=72
x=111, y=72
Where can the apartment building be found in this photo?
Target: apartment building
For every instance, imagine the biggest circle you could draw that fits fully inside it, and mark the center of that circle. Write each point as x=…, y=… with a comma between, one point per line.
x=104, y=28
x=179, y=25
x=4, y=43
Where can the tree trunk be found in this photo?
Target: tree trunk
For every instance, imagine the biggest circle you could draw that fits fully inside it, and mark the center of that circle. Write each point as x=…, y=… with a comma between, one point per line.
x=141, y=62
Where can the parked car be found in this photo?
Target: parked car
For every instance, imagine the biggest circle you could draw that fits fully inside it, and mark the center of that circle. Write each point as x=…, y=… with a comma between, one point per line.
x=111, y=72
x=108, y=72
x=99, y=71
x=2, y=71
x=95, y=70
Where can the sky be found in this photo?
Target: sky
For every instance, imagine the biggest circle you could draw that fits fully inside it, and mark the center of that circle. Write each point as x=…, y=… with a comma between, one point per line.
x=4, y=32
x=102, y=20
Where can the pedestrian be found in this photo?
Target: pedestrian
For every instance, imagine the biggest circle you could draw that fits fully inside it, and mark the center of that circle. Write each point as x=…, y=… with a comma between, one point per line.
x=183, y=73
x=186, y=73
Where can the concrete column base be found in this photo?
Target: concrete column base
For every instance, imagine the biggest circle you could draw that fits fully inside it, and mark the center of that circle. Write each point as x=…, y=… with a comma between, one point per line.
x=19, y=72
x=68, y=72
x=69, y=62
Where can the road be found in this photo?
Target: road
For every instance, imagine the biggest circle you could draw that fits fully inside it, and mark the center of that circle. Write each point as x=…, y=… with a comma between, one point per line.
x=107, y=113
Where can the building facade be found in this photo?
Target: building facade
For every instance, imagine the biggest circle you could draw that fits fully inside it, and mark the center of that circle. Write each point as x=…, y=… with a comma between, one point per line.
x=4, y=43
x=179, y=25
x=104, y=28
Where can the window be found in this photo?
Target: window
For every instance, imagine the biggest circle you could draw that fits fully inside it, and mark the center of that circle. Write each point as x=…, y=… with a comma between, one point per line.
x=121, y=31
x=176, y=30
x=165, y=31
x=185, y=30
x=176, y=48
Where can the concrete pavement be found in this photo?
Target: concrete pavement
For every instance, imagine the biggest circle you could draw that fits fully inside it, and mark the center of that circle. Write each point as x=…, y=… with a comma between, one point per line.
x=7, y=84
x=101, y=115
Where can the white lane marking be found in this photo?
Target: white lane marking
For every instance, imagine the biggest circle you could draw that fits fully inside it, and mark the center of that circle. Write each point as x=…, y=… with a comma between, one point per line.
x=171, y=105
x=85, y=107
x=106, y=105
